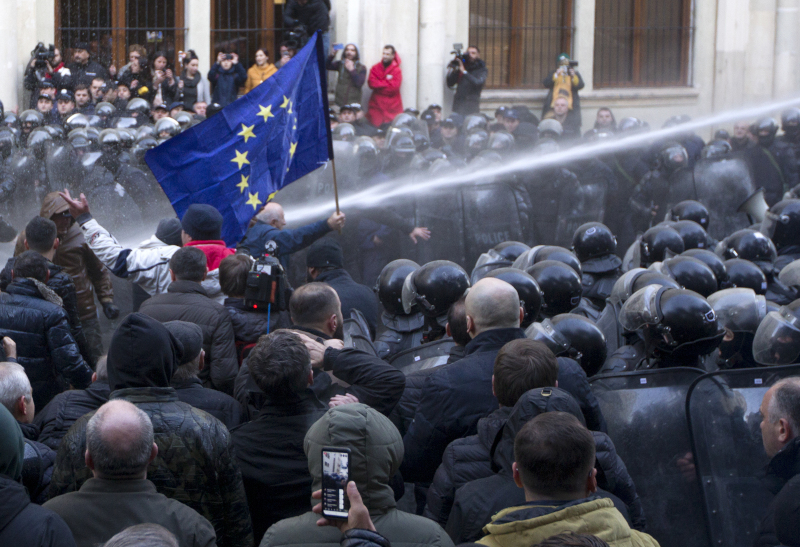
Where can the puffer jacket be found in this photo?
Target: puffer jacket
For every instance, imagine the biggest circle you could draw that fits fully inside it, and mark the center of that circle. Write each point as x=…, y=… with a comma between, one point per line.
x=194, y=465
x=534, y=522
x=476, y=502
x=25, y=523
x=37, y=469
x=79, y=262
x=63, y=286
x=45, y=346
x=376, y=452
x=188, y=301
x=55, y=419
x=147, y=265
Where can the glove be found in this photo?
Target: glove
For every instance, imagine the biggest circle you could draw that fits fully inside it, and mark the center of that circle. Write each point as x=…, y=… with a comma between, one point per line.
x=111, y=311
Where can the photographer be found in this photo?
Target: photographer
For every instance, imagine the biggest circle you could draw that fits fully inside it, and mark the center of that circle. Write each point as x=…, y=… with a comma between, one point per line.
x=469, y=73
x=311, y=15
x=564, y=83
x=226, y=77
x=44, y=67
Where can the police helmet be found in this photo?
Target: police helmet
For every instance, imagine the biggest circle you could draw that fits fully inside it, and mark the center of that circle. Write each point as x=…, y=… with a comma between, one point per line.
x=11, y=120
x=672, y=157
x=511, y=249
x=587, y=344
x=105, y=110
x=782, y=223
x=344, y=132
x=690, y=273
x=629, y=125
x=743, y=273
x=777, y=340
x=31, y=119
x=434, y=287
x=790, y=120
x=142, y=146
x=657, y=241
x=693, y=235
x=474, y=122
x=167, y=127
x=596, y=247
x=477, y=140
x=184, y=119
x=550, y=128
x=146, y=130
x=560, y=285
x=76, y=121
x=39, y=142
x=748, y=245
x=139, y=107
x=501, y=141
x=390, y=285
x=711, y=260
x=8, y=142
x=739, y=310
x=790, y=274
x=637, y=279
x=716, y=149
x=530, y=295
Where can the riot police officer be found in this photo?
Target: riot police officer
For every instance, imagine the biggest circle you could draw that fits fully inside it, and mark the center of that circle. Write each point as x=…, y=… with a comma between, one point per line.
x=596, y=247
x=773, y=160
x=403, y=330
x=782, y=226
x=739, y=312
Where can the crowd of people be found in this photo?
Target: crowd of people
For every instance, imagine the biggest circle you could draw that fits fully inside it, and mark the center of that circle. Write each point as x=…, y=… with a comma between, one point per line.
x=459, y=387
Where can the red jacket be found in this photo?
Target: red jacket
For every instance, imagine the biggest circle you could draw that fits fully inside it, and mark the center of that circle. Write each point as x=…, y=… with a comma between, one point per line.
x=215, y=251
x=385, y=102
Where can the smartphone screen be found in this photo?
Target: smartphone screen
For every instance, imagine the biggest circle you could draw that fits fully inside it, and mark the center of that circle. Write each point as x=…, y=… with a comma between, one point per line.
x=335, y=474
x=338, y=47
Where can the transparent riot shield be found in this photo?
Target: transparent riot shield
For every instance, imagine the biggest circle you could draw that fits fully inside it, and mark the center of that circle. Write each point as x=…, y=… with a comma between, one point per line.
x=426, y=356
x=646, y=416
x=724, y=423
x=442, y=212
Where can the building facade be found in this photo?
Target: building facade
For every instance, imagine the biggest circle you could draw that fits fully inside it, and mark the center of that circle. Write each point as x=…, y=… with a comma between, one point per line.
x=650, y=58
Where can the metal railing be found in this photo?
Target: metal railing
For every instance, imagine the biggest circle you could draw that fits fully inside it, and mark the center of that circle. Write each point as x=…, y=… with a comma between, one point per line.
x=243, y=26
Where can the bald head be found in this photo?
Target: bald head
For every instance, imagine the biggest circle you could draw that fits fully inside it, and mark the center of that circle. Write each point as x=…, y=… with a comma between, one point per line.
x=492, y=304
x=119, y=442
x=272, y=214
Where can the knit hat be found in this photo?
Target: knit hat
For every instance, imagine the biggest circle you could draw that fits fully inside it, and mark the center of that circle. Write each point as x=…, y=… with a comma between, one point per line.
x=188, y=334
x=325, y=253
x=169, y=231
x=202, y=222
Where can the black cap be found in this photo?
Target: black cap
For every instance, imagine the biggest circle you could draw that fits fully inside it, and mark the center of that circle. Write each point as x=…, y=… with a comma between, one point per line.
x=190, y=336
x=169, y=231
x=325, y=253
x=162, y=105
x=82, y=45
x=65, y=95
x=46, y=84
x=176, y=104
x=449, y=121
x=512, y=113
x=354, y=106
x=202, y=222
x=44, y=96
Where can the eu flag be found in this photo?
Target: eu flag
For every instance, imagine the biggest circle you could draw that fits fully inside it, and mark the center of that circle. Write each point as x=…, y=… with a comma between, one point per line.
x=255, y=146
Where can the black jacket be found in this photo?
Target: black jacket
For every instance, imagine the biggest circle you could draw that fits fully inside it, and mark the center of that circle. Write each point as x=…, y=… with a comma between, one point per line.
x=249, y=325
x=468, y=94
x=63, y=286
x=84, y=74
x=313, y=16
x=23, y=523
x=55, y=419
x=353, y=296
x=220, y=405
x=226, y=83
x=188, y=301
x=452, y=401
x=783, y=466
x=45, y=346
x=274, y=466
x=573, y=380
x=37, y=467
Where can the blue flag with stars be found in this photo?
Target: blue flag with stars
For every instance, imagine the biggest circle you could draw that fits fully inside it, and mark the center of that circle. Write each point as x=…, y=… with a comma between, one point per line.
x=237, y=159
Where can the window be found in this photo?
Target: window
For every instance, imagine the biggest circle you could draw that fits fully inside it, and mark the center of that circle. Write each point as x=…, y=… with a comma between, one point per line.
x=243, y=26
x=520, y=39
x=642, y=43
x=110, y=26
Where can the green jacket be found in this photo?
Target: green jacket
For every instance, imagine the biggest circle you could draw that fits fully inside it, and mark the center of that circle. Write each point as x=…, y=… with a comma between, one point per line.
x=376, y=453
x=194, y=465
x=528, y=525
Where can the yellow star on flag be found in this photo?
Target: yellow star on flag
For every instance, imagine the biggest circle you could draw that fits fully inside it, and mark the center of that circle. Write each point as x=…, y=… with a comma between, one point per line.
x=292, y=149
x=240, y=159
x=286, y=102
x=272, y=195
x=247, y=132
x=265, y=112
x=253, y=200
x=244, y=184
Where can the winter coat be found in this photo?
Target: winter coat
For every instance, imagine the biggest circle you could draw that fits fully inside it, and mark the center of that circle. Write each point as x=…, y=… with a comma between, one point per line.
x=248, y=325
x=45, y=346
x=782, y=468
x=572, y=379
x=257, y=75
x=274, y=467
x=194, y=464
x=23, y=523
x=55, y=419
x=452, y=401
x=195, y=90
x=215, y=252
x=63, y=286
x=226, y=83
x=348, y=84
x=220, y=405
x=188, y=301
x=103, y=508
x=403, y=413
x=376, y=452
x=84, y=74
x=468, y=94
x=385, y=102
x=313, y=15
x=533, y=522
x=147, y=265
x=288, y=241
x=79, y=262
x=353, y=296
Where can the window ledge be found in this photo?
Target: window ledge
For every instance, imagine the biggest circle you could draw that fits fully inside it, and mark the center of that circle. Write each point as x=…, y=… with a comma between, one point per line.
x=623, y=93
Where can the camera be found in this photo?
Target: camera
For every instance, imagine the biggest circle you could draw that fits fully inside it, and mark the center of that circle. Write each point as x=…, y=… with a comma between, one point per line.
x=267, y=287
x=43, y=54
x=573, y=64
x=228, y=57
x=459, y=54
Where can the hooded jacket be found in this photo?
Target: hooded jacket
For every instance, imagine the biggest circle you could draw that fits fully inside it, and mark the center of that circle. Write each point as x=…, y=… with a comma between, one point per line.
x=475, y=502
x=195, y=462
x=376, y=452
x=188, y=301
x=385, y=102
x=45, y=346
x=348, y=84
x=534, y=522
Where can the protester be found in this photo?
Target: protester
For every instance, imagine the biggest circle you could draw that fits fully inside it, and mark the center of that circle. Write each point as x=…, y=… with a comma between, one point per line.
x=83, y=69
x=195, y=87
x=385, y=79
x=260, y=71
x=351, y=78
x=226, y=77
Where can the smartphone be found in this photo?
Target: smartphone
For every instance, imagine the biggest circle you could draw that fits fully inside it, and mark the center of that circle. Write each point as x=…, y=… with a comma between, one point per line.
x=335, y=474
x=338, y=47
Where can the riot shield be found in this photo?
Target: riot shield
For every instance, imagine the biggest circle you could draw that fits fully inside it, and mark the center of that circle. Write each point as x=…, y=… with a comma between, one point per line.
x=491, y=216
x=425, y=356
x=590, y=207
x=646, y=416
x=442, y=212
x=723, y=185
x=724, y=418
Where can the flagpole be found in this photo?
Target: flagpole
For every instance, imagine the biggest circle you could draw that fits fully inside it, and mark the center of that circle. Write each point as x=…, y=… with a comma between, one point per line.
x=335, y=186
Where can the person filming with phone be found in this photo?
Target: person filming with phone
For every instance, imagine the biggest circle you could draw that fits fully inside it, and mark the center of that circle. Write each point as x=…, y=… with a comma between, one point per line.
x=226, y=77
x=467, y=73
x=352, y=74
x=564, y=84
